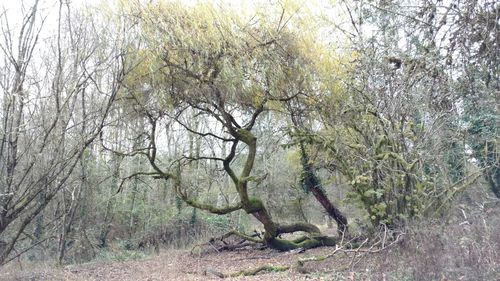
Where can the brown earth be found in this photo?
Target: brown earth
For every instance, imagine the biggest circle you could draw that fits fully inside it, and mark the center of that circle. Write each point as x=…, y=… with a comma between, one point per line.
x=181, y=265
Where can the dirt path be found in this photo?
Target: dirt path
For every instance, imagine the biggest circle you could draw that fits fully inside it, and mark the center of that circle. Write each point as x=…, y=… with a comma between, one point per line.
x=180, y=265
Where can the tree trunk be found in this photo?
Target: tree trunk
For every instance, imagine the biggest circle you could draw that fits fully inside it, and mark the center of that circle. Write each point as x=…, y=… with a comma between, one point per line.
x=313, y=184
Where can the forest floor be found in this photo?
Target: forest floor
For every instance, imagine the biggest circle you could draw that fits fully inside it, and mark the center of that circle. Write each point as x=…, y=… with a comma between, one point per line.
x=181, y=265
x=428, y=251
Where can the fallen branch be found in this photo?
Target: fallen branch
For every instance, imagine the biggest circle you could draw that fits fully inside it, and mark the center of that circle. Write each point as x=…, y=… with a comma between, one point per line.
x=348, y=248
x=249, y=272
x=250, y=238
x=246, y=241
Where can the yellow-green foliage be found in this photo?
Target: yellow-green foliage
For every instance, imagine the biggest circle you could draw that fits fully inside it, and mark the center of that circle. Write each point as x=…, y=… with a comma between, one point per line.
x=293, y=158
x=386, y=178
x=267, y=52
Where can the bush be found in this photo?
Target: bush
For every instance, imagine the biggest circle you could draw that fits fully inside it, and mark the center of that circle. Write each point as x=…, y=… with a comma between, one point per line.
x=465, y=246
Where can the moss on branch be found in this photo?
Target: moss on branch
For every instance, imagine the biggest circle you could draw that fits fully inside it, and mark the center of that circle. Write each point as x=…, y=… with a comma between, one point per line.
x=246, y=136
x=242, y=235
x=299, y=226
x=250, y=272
x=211, y=208
x=253, y=205
x=256, y=179
x=304, y=242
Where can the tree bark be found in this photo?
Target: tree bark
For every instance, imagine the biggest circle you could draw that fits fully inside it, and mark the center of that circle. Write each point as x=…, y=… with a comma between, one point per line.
x=313, y=184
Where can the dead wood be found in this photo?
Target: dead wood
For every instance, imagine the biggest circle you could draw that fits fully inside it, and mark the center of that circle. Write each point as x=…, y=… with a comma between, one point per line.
x=249, y=272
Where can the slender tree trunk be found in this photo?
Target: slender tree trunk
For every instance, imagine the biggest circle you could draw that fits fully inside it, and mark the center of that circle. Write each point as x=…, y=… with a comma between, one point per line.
x=313, y=184
x=69, y=218
x=108, y=215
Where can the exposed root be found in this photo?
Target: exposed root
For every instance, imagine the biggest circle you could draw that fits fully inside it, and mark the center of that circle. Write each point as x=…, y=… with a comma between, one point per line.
x=251, y=238
x=354, y=249
x=222, y=243
x=313, y=239
x=249, y=272
x=303, y=242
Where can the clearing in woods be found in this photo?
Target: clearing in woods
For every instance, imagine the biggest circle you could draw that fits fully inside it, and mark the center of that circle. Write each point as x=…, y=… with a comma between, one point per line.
x=181, y=265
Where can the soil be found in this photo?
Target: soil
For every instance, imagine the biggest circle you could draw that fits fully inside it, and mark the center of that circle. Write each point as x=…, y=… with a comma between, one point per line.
x=181, y=265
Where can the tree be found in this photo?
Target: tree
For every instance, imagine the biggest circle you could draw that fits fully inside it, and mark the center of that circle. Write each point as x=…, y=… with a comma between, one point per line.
x=48, y=119
x=397, y=134
x=473, y=41
x=207, y=65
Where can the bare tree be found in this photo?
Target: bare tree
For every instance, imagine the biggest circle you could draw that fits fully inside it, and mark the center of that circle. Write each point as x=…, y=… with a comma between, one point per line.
x=44, y=130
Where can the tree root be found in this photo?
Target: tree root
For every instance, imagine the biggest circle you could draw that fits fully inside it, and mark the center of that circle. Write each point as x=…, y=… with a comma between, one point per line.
x=249, y=272
x=309, y=241
x=251, y=238
x=357, y=250
x=221, y=244
x=304, y=242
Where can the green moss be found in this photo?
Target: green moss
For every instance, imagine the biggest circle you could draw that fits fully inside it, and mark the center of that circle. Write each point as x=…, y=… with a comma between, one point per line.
x=304, y=242
x=299, y=226
x=253, y=205
x=300, y=239
x=246, y=136
x=282, y=245
x=251, y=272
